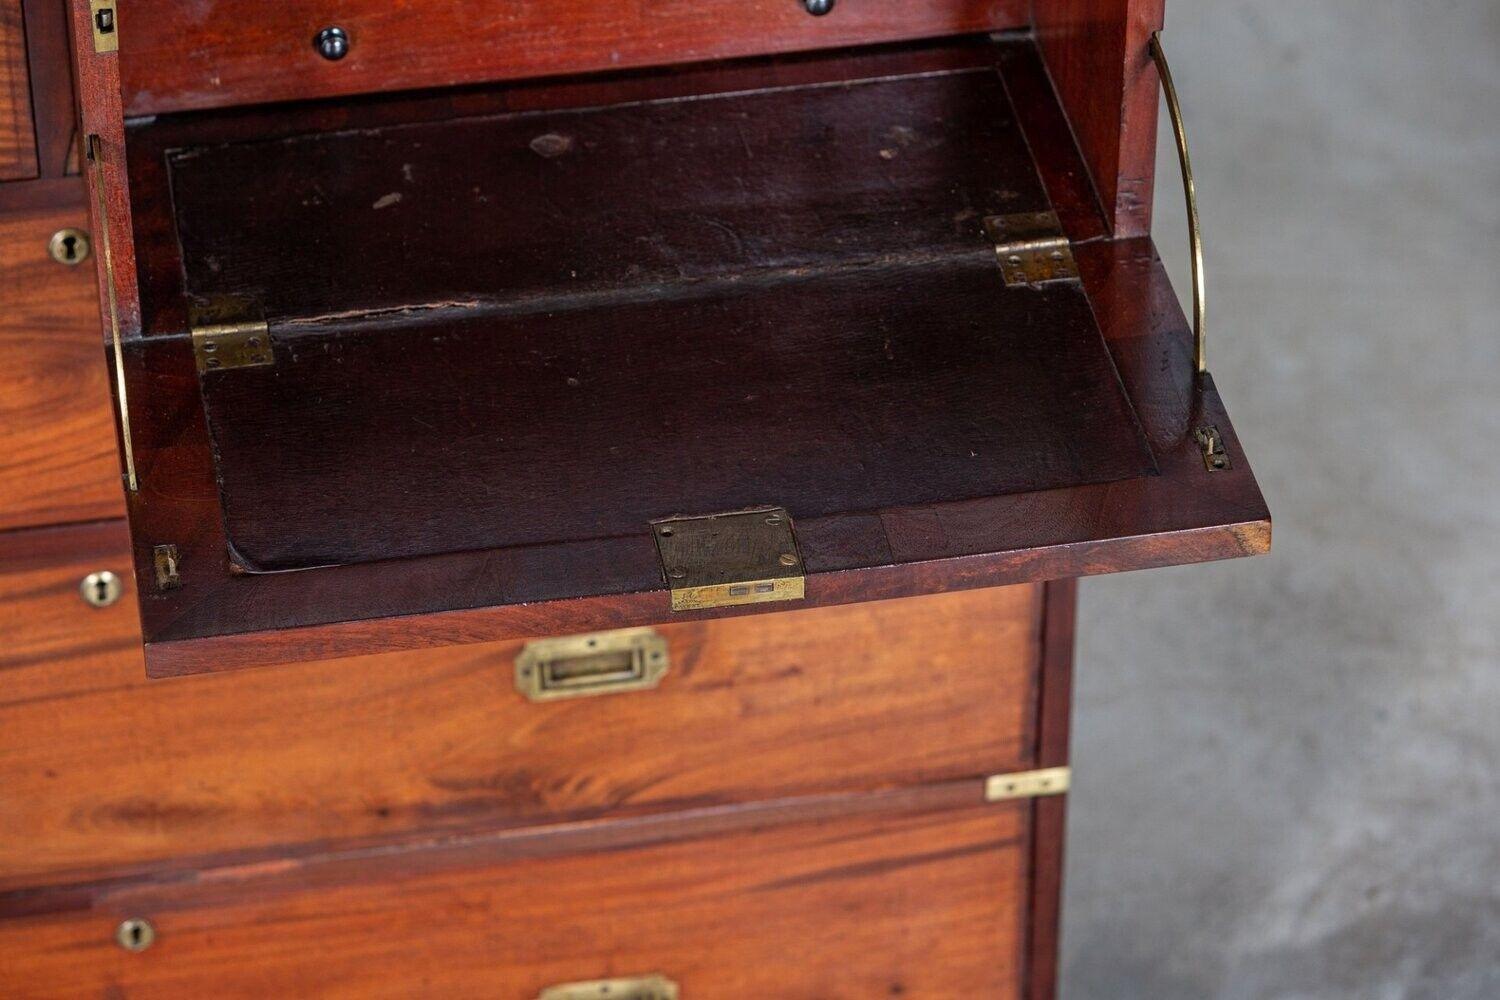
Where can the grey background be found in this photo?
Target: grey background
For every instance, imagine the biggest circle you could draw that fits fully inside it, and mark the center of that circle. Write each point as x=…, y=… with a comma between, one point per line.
x=1287, y=770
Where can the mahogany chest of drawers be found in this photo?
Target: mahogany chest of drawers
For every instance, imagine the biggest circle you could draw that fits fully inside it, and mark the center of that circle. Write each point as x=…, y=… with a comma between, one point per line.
x=575, y=500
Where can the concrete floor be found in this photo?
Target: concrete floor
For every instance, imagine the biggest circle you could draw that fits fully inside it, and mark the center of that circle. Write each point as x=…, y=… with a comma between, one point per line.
x=1287, y=770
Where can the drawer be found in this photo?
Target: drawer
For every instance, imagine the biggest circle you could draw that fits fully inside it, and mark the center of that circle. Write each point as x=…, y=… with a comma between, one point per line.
x=248, y=52
x=922, y=907
x=105, y=771
x=58, y=460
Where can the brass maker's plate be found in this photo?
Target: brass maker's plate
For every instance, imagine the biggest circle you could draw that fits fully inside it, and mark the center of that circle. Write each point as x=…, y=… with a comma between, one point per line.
x=644, y=988
x=723, y=560
x=229, y=331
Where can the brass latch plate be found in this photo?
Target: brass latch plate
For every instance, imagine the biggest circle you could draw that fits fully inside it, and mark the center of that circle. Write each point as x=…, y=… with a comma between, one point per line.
x=1031, y=248
x=627, y=659
x=644, y=988
x=723, y=560
x=229, y=331
x=1027, y=784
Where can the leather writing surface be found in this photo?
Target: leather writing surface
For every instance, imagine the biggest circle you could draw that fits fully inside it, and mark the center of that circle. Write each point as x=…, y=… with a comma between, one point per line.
x=529, y=328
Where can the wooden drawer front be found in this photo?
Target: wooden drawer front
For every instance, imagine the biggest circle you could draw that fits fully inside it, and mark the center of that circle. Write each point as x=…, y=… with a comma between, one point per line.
x=103, y=768
x=919, y=907
x=57, y=434
x=17, y=132
x=248, y=51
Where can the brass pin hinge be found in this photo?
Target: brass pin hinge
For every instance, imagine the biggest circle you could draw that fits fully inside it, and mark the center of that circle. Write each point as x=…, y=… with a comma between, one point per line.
x=105, y=18
x=724, y=560
x=1027, y=784
x=229, y=331
x=643, y=988
x=1031, y=248
x=1215, y=458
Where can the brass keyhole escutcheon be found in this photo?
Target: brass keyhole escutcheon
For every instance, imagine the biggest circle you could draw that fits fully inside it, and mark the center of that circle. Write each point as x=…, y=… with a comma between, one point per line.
x=69, y=246
x=135, y=934
x=101, y=589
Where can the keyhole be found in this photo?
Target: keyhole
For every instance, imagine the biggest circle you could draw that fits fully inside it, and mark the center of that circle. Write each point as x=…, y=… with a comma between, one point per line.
x=69, y=246
x=135, y=934
x=100, y=589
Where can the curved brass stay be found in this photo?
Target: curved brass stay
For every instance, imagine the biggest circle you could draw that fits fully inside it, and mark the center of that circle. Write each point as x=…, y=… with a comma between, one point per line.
x=1195, y=231
x=94, y=152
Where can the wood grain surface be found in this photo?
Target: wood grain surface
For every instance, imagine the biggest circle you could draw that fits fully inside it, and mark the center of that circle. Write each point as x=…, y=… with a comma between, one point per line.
x=17, y=131
x=926, y=907
x=104, y=771
x=1096, y=53
x=178, y=56
x=57, y=434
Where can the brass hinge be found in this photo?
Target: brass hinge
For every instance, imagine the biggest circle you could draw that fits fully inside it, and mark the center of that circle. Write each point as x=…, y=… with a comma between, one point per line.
x=105, y=20
x=642, y=988
x=1031, y=248
x=723, y=560
x=229, y=331
x=1027, y=784
x=1211, y=442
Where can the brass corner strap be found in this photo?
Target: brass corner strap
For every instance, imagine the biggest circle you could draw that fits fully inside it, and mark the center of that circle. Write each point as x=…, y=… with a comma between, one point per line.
x=94, y=151
x=1195, y=231
x=1027, y=784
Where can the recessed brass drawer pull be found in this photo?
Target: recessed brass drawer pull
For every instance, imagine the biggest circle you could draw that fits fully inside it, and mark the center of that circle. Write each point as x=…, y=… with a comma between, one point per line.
x=629, y=659
x=645, y=988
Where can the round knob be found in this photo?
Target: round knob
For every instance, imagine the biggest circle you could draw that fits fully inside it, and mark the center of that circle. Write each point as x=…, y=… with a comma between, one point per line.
x=817, y=8
x=332, y=43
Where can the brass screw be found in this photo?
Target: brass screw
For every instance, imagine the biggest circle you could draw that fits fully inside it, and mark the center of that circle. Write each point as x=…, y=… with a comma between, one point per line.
x=69, y=246
x=135, y=934
x=101, y=589
x=787, y=559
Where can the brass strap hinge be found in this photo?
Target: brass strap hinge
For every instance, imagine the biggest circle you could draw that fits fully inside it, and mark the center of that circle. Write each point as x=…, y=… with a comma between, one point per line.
x=229, y=331
x=1031, y=248
x=1027, y=784
x=723, y=560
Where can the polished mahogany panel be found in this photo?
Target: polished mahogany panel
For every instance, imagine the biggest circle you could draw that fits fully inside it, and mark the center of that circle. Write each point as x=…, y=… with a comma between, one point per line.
x=17, y=132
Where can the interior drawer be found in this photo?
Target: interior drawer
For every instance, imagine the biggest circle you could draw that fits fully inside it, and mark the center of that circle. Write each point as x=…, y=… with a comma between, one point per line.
x=926, y=906
x=444, y=367
x=58, y=460
x=106, y=772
